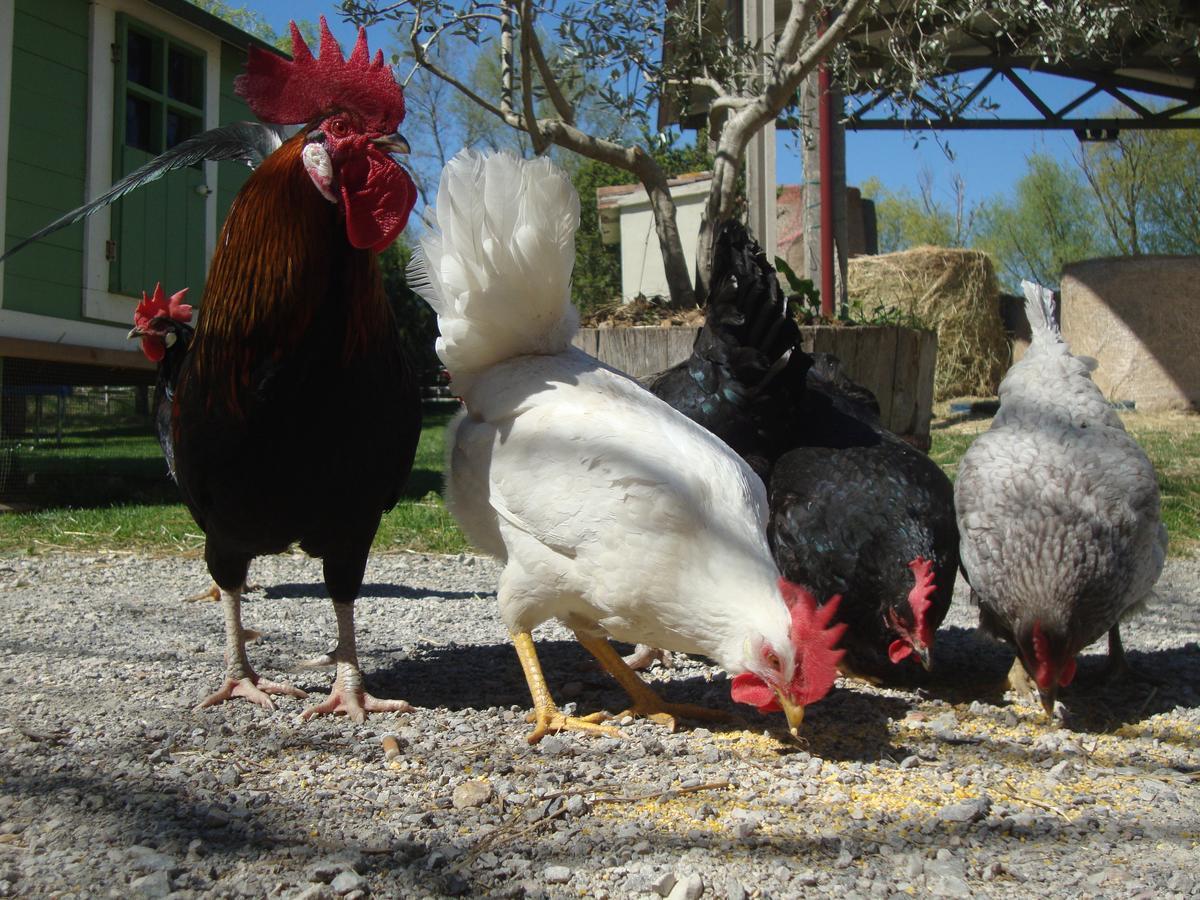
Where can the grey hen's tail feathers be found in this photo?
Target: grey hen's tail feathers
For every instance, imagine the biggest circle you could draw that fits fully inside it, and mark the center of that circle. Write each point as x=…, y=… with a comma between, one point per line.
x=1041, y=310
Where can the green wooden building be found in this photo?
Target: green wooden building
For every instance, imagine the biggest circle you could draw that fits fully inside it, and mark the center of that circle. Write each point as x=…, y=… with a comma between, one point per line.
x=88, y=92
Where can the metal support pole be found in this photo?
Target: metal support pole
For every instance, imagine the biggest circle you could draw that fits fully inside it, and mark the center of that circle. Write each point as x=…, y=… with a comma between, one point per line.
x=825, y=142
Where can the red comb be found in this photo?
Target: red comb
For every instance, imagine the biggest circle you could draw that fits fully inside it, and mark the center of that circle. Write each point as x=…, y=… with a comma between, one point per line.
x=814, y=640
x=305, y=88
x=1045, y=673
x=919, y=598
x=157, y=305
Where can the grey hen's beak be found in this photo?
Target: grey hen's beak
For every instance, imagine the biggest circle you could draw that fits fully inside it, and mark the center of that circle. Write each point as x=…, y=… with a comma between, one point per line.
x=392, y=143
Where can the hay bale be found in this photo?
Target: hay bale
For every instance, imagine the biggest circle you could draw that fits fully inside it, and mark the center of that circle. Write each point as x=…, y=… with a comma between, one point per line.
x=1139, y=318
x=955, y=293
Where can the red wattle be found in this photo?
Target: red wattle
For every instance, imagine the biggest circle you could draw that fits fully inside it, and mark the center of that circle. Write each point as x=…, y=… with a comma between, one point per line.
x=154, y=347
x=749, y=688
x=899, y=650
x=377, y=195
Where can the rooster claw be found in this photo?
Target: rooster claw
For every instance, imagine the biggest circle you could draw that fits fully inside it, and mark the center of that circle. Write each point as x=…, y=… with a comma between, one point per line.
x=354, y=705
x=256, y=690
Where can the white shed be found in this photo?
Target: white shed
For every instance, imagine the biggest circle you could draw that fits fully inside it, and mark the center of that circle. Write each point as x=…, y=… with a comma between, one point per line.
x=626, y=218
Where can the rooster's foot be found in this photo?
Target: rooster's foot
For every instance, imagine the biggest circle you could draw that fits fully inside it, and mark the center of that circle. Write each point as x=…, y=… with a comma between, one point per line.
x=354, y=705
x=645, y=656
x=1019, y=681
x=252, y=688
x=551, y=720
x=1118, y=669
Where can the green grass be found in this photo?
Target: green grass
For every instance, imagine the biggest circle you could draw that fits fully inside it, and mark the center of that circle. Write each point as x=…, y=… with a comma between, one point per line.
x=421, y=523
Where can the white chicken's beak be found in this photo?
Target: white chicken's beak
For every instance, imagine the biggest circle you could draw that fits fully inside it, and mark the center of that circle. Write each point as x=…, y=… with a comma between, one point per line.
x=793, y=711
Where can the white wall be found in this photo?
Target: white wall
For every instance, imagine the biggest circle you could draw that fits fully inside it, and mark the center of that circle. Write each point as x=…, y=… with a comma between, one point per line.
x=642, y=270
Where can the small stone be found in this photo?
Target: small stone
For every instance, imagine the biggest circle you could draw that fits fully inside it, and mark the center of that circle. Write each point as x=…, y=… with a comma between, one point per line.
x=347, y=882
x=156, y=884
x=734, y=889
x=663, y=884
x=230, y=777
x=910, y=762
x=556, y=874
x=689, y=888
x=148, y=859
x=470, y=794
x=967, y=811
x=552, y=746
x=315, y=892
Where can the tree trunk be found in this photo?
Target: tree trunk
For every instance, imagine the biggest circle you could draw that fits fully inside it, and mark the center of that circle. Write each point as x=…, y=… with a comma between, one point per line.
x=679, y=279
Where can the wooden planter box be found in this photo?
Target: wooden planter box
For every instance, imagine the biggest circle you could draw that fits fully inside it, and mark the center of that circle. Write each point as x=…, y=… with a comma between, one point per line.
x=895, y=363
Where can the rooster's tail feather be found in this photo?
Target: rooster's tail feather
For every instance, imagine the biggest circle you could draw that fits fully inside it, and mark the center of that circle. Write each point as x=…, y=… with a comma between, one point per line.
x=497, y=267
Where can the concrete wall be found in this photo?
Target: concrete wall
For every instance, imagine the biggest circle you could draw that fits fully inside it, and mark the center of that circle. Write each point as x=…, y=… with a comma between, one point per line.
x=1139, y=317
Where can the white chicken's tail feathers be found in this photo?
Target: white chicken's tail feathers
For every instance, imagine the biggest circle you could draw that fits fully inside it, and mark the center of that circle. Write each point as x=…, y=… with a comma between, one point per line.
x=497, y=267
x=1041, y=311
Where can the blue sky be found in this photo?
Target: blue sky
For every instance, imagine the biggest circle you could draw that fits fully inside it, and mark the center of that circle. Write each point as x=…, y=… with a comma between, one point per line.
x=990, y=162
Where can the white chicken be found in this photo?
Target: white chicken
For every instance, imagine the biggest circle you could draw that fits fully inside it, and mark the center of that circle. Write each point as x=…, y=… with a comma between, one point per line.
x=1058, y=508
x=610, y=511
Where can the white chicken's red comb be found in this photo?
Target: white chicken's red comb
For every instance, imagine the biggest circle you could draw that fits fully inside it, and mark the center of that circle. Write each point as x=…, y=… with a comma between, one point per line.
x=305, y=88
x=814, y=641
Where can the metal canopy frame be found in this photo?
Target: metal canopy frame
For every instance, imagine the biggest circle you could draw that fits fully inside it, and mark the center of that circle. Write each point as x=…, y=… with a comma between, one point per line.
x=941, y=116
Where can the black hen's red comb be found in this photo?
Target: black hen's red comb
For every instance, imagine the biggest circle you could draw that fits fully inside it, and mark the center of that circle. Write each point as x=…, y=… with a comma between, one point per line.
x=158, y=304
x=305, y=88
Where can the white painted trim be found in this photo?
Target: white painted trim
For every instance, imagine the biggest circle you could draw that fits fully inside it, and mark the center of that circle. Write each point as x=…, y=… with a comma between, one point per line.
x=33, y=327
x=7, y=14
x=98, y=302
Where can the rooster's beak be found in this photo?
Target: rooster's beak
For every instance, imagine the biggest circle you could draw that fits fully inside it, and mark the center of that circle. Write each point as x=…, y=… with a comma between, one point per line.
x=392, y=143
x=134, y=332
x=793, y=711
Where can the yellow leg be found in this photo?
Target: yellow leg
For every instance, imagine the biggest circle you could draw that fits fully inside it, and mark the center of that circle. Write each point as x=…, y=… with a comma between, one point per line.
x=545, y=711
x=646, y=703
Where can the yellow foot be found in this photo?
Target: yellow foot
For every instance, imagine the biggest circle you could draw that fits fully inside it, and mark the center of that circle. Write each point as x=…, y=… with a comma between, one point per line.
x=667, y=714
x=550, y=720
x=354, y=705
x=1019, y=681
x=213, y=594
x=252, y=688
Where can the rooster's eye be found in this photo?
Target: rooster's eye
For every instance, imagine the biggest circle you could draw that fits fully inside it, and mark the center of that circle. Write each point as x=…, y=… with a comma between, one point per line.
x=772, y=659
x=339, y=127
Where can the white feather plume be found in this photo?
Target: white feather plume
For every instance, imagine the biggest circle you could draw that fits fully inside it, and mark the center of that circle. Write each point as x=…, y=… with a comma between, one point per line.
x=497, y=268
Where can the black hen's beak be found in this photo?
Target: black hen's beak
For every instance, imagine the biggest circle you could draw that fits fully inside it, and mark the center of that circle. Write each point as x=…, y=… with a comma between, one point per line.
x=134, y=332
x=1048, y=698
x=392, y=143
x=923, y=655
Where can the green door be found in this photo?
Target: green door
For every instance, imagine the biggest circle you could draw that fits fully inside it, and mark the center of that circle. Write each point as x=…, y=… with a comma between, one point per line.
x=158, y=229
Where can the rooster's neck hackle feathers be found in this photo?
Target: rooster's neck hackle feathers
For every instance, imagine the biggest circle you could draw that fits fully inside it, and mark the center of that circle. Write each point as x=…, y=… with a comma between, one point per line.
x=305, y=88
x=282, y=255
x=497, y=267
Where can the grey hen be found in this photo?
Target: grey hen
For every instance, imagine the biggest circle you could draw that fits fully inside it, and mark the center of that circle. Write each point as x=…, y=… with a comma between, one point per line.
x=1058, y=508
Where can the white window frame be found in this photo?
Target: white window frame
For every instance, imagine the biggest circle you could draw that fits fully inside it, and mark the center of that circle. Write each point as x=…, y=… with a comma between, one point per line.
x=98, y=301
x=7, y=15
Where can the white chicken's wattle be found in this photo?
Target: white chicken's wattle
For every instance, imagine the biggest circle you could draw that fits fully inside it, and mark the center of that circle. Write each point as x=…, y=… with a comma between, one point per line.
x=611, y=511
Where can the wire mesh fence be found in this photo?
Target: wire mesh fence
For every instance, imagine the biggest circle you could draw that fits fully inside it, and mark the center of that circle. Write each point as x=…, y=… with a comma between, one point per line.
x=73, y=435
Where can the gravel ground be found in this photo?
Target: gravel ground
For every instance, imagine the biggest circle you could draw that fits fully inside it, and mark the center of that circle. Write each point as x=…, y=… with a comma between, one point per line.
x=111, y=785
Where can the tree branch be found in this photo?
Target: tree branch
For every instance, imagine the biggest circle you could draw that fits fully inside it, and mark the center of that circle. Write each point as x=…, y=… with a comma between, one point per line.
x=561, y=104
x=531, y=121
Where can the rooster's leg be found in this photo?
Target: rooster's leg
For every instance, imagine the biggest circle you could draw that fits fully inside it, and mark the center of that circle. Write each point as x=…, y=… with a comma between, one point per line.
x=349, y=694
x=646, y=703
x=547, y=715
x=1019, y=681
x=1118, y=668
x=644, y=656
x=240, y=678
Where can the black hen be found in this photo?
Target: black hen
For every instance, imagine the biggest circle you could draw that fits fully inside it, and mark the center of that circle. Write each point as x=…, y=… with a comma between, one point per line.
x=164, y=326
x=854, y=510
